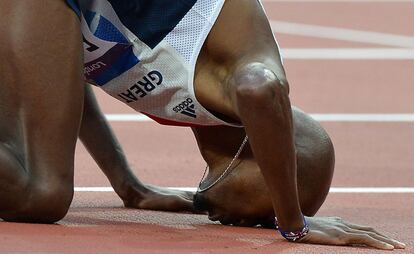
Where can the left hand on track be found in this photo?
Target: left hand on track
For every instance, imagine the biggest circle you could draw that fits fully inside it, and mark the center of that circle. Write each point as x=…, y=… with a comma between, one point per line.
x=335, y=231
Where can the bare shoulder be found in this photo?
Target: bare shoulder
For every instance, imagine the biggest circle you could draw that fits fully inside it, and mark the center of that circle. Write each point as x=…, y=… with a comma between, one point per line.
x=240, y=36
x=242, y=33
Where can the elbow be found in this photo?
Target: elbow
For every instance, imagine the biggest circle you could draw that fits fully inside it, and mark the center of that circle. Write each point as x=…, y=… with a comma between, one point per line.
x=257, y=87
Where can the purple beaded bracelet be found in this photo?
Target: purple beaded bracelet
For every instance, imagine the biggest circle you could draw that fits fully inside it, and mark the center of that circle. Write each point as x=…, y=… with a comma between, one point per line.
x=293, y=236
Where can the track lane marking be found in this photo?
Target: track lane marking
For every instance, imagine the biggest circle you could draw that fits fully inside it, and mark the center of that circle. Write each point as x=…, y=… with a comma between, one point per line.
x=348, y=53
x=363, y=117
x=344, y=34
x=332, y=190
x=319, y=117
x=339, y=1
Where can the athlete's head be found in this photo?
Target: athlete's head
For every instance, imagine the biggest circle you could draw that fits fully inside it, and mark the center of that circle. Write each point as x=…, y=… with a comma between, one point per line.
x=242, y=198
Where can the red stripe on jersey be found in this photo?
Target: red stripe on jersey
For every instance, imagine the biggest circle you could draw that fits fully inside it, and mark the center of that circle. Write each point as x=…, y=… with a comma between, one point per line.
x=172, y=123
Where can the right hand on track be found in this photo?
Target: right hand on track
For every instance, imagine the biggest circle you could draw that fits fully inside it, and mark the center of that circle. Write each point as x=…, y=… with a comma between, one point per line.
x=335, y=231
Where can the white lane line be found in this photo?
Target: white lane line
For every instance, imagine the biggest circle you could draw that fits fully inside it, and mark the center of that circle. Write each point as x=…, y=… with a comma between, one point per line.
x=372, y=190
x=318, y=117
x=338, y=1
x=127, y=118
x=348, y=53
x=364, y=117
x=344, y=34
x=332, y=190
x=94, y=189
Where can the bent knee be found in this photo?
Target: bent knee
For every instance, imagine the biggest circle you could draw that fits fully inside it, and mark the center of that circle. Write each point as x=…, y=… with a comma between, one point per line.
x=44, y=203
x=256, y=81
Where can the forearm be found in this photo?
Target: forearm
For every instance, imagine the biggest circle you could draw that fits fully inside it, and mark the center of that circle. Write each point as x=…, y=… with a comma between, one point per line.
x=265, y=111
x=98, y=138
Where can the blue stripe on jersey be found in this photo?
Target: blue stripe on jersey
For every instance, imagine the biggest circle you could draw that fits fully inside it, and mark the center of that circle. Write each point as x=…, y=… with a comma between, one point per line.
x=151, y=20
x=105, y=30
x=115, y=61
x=123, y=63
x=112, y=64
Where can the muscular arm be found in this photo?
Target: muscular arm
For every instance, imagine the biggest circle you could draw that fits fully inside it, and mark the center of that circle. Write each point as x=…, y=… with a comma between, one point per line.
x=263, y=106
x=248, y=66
x=98, y=138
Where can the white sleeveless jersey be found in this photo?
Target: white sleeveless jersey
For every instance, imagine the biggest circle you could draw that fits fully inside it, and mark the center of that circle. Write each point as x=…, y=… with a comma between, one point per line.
x=144, y=52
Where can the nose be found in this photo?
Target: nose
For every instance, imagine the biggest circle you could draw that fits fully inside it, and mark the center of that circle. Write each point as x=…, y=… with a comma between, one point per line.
x=200, y=202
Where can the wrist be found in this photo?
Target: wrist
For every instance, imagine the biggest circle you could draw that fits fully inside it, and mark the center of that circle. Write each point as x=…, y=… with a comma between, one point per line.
x=296, y=235
x=291, y=220
x=129, y=189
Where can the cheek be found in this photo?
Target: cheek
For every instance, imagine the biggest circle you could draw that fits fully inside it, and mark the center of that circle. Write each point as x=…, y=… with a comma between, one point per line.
x=223, y=200
x=241, y=195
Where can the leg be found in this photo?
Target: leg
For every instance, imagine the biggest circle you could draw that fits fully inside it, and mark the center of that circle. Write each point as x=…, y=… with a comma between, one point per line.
x=40, y=108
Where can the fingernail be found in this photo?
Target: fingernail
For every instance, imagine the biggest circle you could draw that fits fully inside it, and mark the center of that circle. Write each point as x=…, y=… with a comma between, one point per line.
x=401, y=245
x=389, y=246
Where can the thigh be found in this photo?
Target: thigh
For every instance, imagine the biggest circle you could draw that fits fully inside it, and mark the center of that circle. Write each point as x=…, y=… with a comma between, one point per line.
x=41, y=86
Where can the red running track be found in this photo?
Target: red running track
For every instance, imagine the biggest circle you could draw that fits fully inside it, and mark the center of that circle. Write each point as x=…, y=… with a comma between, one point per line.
x=368, y=154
